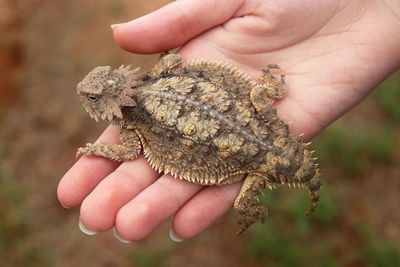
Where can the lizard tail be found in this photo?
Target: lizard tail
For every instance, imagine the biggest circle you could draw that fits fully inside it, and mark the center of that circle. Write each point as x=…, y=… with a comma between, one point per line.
x=313, y=186
x=308, y=175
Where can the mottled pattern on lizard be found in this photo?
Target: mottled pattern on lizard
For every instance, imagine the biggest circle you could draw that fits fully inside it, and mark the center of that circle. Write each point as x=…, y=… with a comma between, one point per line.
x=204, y=122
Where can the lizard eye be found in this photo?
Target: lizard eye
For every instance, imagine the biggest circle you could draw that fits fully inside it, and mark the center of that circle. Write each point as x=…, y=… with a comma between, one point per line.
x=93, y=98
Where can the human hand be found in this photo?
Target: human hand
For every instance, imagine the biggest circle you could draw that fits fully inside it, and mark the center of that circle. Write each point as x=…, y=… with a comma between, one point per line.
x=333, y=53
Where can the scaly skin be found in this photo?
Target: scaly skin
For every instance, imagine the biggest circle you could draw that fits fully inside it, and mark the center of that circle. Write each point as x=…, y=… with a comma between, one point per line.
x=206, y=123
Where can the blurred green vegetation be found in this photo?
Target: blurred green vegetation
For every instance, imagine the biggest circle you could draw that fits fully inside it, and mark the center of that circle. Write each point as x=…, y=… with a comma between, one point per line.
x=388, y=96
x=353, y=149
x=280, y=241
x=16, y=248
x=291, y=239
x=378, y=252
x=148, y=257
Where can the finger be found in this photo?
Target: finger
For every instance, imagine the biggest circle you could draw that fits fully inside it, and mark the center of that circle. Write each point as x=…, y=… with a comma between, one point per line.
x=204, y=209
x=99, y=209
x=138, y=218
x=173, y=25
x=86, y=173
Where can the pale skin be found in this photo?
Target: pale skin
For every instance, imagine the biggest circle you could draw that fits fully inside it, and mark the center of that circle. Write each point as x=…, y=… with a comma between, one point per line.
x=333, y=54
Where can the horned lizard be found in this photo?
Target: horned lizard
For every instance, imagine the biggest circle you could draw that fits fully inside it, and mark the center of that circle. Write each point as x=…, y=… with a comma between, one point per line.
x=204, y=122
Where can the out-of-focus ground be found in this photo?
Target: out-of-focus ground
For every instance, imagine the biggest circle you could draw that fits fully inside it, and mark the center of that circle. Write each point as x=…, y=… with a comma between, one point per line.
x=45, y=49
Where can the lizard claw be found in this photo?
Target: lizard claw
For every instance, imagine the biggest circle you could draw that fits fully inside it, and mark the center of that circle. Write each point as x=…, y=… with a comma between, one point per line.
x=83, y=150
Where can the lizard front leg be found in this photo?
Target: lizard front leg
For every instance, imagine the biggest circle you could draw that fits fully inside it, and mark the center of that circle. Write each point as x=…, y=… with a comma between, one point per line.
x=167, y=62
x=128, y=149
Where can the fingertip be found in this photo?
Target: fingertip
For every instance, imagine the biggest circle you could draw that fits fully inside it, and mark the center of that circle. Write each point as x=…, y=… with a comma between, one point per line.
x=61, y=196
x=91, y=219
x=205, y=209
x=82, y=178
x=137, y=38
x=187, y=226
x=138, y=218
x=68, y=189
x=191, y=221
x=84, y=229
x=119, y=237
x=97, y=213
x=113, y=26
x=119, y=34
x=100, y=208
x=172, y=25
x=135, y=225
x=174, y=237
x=86, y=173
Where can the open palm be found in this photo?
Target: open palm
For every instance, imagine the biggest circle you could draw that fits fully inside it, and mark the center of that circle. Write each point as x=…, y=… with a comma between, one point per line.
x=333, y=53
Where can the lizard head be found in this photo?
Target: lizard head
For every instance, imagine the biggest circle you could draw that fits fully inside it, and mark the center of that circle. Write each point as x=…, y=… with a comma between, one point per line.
x=104, y=92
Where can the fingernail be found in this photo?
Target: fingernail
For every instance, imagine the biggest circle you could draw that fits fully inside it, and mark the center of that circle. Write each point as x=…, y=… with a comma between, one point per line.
x=84, y=229
x=174, y=237
x=117, y=236
x=65, y=207
x=114, y=25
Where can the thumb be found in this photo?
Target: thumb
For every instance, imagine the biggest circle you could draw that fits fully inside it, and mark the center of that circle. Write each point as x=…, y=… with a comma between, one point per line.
x=173, y=25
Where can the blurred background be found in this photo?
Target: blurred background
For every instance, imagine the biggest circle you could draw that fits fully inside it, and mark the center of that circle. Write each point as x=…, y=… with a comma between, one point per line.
x=46, y=47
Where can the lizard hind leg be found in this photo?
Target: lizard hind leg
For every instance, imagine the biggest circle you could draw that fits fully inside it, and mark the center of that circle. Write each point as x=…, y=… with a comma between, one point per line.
x=262, y=95
x=275, y=89
x=246, y=204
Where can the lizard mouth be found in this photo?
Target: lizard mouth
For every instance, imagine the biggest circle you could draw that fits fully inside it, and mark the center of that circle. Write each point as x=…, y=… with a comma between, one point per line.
x=104, y=116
